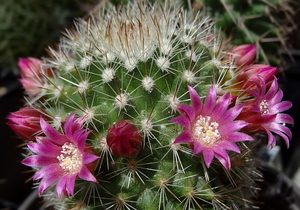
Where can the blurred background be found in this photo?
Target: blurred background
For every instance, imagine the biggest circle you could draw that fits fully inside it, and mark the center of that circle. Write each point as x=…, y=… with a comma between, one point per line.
x=27, y=27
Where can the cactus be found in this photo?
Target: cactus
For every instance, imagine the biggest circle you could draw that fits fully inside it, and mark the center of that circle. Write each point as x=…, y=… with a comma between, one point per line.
x=146, y=106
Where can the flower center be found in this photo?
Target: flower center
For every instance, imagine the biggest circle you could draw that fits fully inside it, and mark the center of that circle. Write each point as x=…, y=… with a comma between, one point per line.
x=264, y=107
x=205, y=132
x=70, y=158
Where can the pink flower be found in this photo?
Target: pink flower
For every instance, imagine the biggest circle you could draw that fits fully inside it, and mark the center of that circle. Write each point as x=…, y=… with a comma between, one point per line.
x=263, y=112
x=211, y=128
x=244, y=55
x=62, y=157
x=124, y=139
x=31, y=75
x=26, y=122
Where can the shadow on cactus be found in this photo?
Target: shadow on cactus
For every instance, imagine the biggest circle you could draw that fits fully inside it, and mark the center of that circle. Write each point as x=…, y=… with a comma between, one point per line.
x=146, y=107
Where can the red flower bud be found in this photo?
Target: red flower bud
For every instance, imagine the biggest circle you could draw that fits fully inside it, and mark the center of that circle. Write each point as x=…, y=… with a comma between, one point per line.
x=124, y=139
x=26, y=122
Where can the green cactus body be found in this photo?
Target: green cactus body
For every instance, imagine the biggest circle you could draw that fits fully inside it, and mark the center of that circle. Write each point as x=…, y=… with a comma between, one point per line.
x=135, y=63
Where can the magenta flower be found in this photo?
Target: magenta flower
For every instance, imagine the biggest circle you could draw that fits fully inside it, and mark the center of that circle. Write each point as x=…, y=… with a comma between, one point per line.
x=124, y=139
x=211, y=128
x=62, y=157
x=263, y=112
x=244, y=55
x=26, y=122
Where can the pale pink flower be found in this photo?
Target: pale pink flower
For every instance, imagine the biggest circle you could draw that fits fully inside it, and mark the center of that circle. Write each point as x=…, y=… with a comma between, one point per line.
x=62, y=157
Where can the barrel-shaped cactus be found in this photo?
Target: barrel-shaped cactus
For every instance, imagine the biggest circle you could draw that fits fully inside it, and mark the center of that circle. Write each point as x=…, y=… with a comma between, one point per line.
x=145, y=106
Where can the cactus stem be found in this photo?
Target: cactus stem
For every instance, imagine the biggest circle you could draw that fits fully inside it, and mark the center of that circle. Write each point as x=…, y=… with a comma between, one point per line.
x=133, y=169
x=120, y=202
x=105, y=154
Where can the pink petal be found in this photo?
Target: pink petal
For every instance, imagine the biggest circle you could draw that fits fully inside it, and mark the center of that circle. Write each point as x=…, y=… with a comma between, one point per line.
x=231, y=113
x=281, y=128
x=80, y=138
x=70, y=125
x=271, y=139
x=88, y=158
x=229, y=146
x=232, y=126
x=221, y=107
x=196, y=101
x=274, y=99
x=86, y=174
x=39, y=161
x=197, y=147
x=183, y=121
x=237, y=137
x=61, y=186
x=280, y=107
x=282, y=134
x=210, y=101
x=49, y=170
x=46, y=182
x=45, y=148
x=184, y=137
x=53, y=134
x=284, y=118
x=224, y=159
x=187, y=111
x=208, y=156
x=70, y=184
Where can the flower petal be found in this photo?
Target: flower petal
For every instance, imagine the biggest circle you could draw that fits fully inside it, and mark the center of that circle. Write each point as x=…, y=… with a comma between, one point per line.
x=196, y=101
x=210, y=101
x=44, y=148
x=230, y=146
x=280, y=107
x=89, y=158
x=208, y=156
x=237, y=137
x=183, y=121
x=53, y=134
x=70, y=184
x=61, y=186
x=46, y=182
x=224, y=159
x=49, y=170
x=184, y=137
x=232, y=126
x=284, y=118
x=86, y=175
x=38, y=161
x=221, y=107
